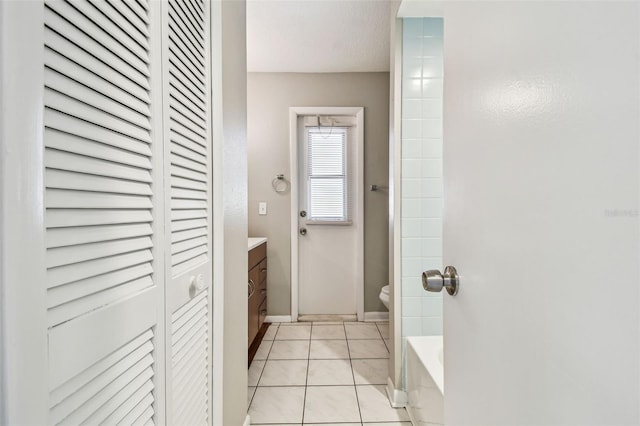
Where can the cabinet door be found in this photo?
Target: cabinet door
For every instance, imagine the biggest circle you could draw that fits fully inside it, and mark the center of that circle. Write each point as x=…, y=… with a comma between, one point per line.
x=104, y=216
x=254, y=303
x=187, y=155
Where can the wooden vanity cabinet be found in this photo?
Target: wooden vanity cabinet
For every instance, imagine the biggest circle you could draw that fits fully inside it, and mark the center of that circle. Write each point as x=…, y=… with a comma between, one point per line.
x=257, y=289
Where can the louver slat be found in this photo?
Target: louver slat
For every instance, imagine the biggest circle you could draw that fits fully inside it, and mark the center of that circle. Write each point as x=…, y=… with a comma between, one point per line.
x=102, y=297
x=97, y=35
x=67, y=67
x=94, y=64
x=188, y=134
x=57, y=23
x=71, y=88
x=190, y=361
x=79, y=289
x=70, y=180
x=118, y=30
x=78, y=162
x=139, y=34
x=87, y=384
x=70, y=143
x=86, y=110
x=139, y=10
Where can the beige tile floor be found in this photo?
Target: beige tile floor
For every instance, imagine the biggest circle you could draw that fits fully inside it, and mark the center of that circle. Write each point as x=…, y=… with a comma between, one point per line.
x=322, y=373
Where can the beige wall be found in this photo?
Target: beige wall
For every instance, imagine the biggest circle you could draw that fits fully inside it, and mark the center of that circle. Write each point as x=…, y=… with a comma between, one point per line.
x=269, y=97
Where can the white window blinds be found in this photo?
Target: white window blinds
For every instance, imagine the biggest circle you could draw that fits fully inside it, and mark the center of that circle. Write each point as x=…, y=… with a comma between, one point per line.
x=327, y=183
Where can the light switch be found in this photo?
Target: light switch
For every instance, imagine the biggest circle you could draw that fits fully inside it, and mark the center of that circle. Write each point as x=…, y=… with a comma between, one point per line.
x=262, y=208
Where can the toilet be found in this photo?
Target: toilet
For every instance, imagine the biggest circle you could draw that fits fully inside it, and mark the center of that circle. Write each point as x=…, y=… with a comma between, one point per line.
x=384, y=296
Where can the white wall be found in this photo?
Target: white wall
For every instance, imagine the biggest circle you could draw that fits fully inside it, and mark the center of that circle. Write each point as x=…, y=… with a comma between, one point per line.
x=230, y=225
x=421, y=183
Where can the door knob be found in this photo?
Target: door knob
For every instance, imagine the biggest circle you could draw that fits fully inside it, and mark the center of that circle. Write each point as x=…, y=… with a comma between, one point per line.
x=303, y=231
x=433, y=280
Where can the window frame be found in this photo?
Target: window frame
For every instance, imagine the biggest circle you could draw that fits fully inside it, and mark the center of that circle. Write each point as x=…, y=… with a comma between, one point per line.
x=345, y=219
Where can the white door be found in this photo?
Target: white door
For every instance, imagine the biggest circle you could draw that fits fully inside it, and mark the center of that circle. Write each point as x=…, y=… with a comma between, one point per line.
x=329, y=227
x=103, y=213
x=187, y=165
x=120, y=213
x=541, y=107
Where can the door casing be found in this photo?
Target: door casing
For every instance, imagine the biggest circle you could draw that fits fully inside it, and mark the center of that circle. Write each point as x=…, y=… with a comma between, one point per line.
x=294, y=113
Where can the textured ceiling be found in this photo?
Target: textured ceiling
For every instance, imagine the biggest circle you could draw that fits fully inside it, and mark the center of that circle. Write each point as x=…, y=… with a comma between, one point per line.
x=317, y=35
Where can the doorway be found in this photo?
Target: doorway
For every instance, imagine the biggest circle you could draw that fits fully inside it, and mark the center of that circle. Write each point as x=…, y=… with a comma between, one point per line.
x=327, y=234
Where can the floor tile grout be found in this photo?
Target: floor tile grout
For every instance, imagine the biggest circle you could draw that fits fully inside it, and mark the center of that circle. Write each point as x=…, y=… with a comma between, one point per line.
x=309, y=360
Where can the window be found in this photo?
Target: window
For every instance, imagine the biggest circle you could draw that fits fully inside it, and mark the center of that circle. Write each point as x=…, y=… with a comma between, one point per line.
x=327, y=186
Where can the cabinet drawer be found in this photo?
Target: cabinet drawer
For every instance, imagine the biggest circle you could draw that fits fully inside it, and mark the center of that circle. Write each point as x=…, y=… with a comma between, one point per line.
x=253, y=316
x=257, y=254
x=262, y=267
x=254, y=279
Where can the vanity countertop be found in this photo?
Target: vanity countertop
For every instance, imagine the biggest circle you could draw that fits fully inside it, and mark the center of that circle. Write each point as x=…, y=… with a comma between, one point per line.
x=255, y=242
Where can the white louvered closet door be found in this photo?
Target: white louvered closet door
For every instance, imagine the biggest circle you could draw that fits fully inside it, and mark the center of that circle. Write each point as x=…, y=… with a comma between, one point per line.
x=187, y=126
x=104, y=218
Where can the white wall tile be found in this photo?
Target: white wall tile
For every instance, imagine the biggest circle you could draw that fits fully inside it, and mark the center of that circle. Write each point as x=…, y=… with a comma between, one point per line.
x=412, y=148
x=413, y=228
x=422, y=172
x=412, y=286
x=412, y=266
x=432, y=148
x=432, y=27
x=431, y=306
x=431, y=247
x=412, y=245
x=412, y=208
x=411, y=168
x=412, y=67
x=431, y=168
x=412, y=128
x=412, y=28
x=431, y=263
x=432, y=46
x=431, y=208
x=412, y=306
x=431, y=227
x=412, y=108
x=412, y=187
x=432, y=67
x=431, y=326
x=411, y=326
x=431, y=188
x=412, y=88
x=431, y=108
x=432, y=88
x=431, y=128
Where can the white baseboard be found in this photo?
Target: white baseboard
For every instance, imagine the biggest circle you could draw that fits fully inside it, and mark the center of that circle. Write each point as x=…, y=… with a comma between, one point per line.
x=277, y=318
x=376, y=316
x=247, y=421
x=368, y=317
x=397, y=398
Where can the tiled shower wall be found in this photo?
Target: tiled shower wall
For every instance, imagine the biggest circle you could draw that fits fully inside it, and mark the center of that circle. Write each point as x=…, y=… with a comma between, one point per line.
x=421, y=186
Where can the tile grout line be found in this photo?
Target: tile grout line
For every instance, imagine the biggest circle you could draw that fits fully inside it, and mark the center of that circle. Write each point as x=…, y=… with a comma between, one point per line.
x=306, y=377
x=263, y=367
x=353, y=376
x=383, y=339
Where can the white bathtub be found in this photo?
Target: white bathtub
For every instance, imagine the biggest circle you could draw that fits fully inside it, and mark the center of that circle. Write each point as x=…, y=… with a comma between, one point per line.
x=425, y=380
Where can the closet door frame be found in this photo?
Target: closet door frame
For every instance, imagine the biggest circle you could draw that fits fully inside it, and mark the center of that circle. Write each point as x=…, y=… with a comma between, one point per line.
x=23, y=325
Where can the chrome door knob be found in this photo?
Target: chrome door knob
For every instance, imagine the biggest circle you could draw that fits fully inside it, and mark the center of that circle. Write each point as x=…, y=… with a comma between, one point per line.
x=303, y=231
x=433, y=280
